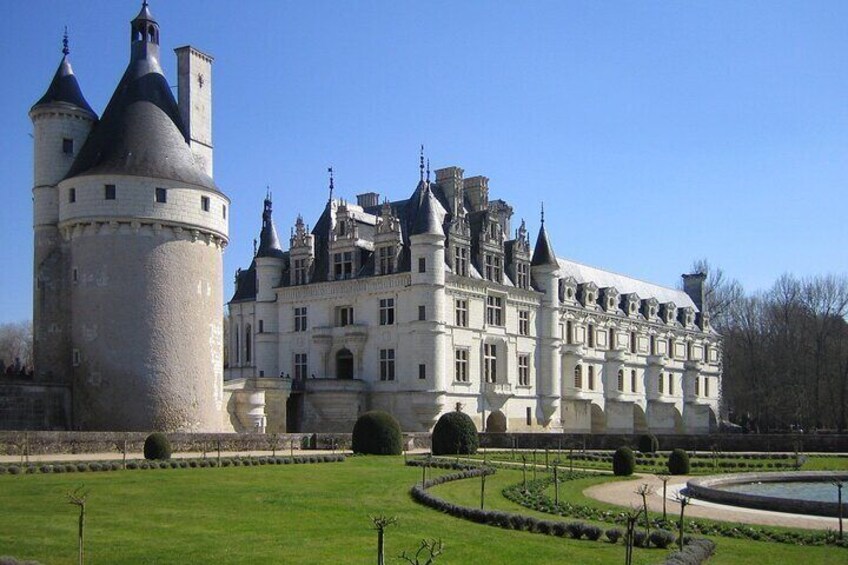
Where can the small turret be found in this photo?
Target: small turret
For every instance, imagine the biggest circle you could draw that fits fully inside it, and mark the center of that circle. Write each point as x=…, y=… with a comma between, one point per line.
x=543, y=253
x=269, y=243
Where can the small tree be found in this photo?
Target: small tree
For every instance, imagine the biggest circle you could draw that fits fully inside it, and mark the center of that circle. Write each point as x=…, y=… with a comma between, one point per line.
x=78, y=498
x=644, y=490
x=664, y=477
x=380, y=524
x=427, y=552
x=839, y=485
x=631, y=517
x=678, y=462
x=684, y=502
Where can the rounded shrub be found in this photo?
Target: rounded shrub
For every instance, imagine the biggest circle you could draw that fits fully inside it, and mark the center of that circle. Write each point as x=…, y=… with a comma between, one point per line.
x=453, y=434
x=614, y=534
x=623, y=462
x=377, y=433
x=678, y=462
x=648, y=443
x=157, y=446
x=661, y=538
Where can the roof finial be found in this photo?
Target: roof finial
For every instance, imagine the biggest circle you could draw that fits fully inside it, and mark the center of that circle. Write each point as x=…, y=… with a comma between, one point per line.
x=65, y=50
x=421, y=163
x=428, y=171
x=144, y=4
x=543, y=212
x=268, y=192
x=332, y=186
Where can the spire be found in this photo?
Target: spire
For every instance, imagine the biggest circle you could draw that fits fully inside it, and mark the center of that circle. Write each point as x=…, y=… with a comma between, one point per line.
x=421, y=164
x=428, y=171
x=145, y=34
x=64, y=87
x=269, y=243
x=543, y=253
x=332, y=185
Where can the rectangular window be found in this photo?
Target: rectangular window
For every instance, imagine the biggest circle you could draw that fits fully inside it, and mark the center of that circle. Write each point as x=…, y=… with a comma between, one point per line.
x=300, y=366
x=422, y=312
x=522, y=276
x=524, y=322
x=344, y=316
x=460, y=261
x=670, y=348
x=489, y=266
x=461, y=365
x=75, y=275
x=707, y=387
x=653, y=345
x=461, y=312
x=224, y=211
x=387, y=364
x=300, y=320
x=612, y=340
x=261, y=326
x=300, y=271
x=689, y=350
x=161, y=195
x=661, y=384
x=72, y=195
x=68, y=146
x=490, y=362
x=75, y=357
x=590, y=336
x=529, y=416
x=620, y=382
x=633, y=380
x=591, y=377
x=494, y=310
x=422, y=265
x=671, y=383
x=386, y=256
x=422, y=371
x=632, y=342
x=494, y=267
x=524, y=370
x=697, y=386
x=343, y=265
x=569, y=332
x=204, y=203
x=109, y=192
x=387, y=311
x=578, y=376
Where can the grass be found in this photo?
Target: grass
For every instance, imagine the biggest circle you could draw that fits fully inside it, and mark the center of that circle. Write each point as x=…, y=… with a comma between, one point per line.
x=292, y=514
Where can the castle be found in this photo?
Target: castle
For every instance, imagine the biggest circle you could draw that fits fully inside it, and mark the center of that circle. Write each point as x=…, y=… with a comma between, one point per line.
x=433, y=303
x=417, y=306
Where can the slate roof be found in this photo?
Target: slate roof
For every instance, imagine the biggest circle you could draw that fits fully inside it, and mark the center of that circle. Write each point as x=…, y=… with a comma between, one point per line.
x=269, y=243
x=65, y=89
x=543, y=252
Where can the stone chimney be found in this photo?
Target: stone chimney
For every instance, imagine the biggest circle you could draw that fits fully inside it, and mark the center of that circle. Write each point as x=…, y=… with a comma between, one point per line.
x=194, y=93
x=368, y=199
x=693, y=285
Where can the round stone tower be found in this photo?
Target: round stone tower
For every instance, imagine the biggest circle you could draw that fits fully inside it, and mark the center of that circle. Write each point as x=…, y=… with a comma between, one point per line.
x=145, y=227
x=62, y=120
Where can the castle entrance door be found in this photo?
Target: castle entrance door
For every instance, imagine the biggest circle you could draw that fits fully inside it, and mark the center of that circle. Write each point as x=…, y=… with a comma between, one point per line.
x=344, y=364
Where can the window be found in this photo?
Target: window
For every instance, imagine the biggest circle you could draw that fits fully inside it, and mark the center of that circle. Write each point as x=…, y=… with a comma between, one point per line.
x=422, y=312
x=689, y=350
x=386, y=258
x=422, y=265
x=590, y=336
x=529, y=416
x=237, y=348
x=75, y=357
x=697, y=386
x=68, y=146
x=75, y=275
x=707, y=387
x=422, y=371
x=524, y=370
x=460, y=261
x=300, y=366
x=387, y=364
x=653, y=345
x=569, y=332
x=344, y=316
x=670, y=348
x=72, y=195
x=461, y=312
x=633, y=380
x=109, y=192
x=461, y=365
x=632, y=342
x=621, y=380
x=300, y=319
x=161, y=195
x=494, y=310
x=524, y=322
x=670, y=383
x=300, y=271
x=661, y=384
x=204, y=203
x=591, y=377
x=343, y=265
x=387, y=311
x=521, y=275
x=490, y=362
x=578, y=376
x=248, y=342
x=706, y=353
x=261, y=326
x=612, y=339
x=224, y=211
x=494, y=269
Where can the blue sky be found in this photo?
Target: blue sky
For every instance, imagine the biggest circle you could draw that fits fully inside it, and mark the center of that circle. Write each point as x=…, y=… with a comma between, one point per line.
x=655, y=132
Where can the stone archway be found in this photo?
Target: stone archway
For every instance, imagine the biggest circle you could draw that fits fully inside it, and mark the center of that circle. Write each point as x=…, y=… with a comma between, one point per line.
x=640, y=422
x=496, y=422
x=344, y=364
x=599, y=420
x=679, y=427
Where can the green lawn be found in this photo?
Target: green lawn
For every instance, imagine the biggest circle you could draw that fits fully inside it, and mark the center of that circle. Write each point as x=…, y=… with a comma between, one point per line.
x=292, y=514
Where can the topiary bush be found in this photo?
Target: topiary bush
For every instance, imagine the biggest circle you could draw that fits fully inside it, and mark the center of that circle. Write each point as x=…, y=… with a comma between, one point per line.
x=648, y=443
x=623, y=462
x=157, y=446
x=678, y=462
x=455, y=433
x=614, y=534
x=377, y=433
x=661, y=538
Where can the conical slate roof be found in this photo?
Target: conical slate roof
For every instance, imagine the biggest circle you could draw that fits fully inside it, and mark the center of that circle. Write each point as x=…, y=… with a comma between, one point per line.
x=65, y=89
x=543, y=253
x=430, y=215
x=269, y=243
x=141, y=132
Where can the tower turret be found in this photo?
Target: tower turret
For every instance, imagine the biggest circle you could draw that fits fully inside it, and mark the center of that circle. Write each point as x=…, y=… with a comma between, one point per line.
x=62, y=120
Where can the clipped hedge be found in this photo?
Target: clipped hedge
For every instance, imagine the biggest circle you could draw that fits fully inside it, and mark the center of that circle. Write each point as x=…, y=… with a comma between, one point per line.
x=623, y=462
x=455, y=434
x=694, y=553
x=648, y=443
x=377, y=433
x=157, y=446
x=678, y=462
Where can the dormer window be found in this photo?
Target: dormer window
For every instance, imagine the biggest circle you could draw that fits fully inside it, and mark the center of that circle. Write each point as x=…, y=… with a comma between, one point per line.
x=522, y=275
x=386, y=260
x=460, y=261
x=343, y=265
x=493, y=267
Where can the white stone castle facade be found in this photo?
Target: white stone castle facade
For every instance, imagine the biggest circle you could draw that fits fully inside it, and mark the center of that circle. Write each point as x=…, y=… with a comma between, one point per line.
x=433, y=303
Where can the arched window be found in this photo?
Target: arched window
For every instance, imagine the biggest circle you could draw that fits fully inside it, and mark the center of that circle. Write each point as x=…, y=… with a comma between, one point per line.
x=248, y=340
x=578, y=376
x=621, y=380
